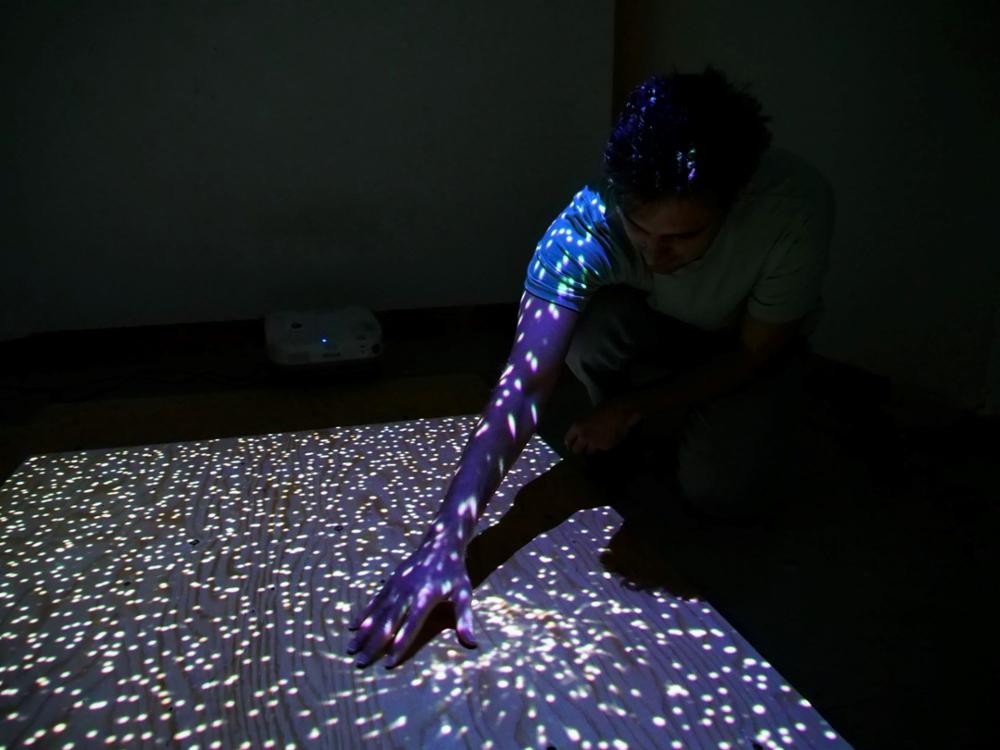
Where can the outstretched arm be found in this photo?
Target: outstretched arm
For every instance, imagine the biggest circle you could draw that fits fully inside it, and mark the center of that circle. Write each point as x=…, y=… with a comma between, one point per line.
x=544, y=332
x=436, y=571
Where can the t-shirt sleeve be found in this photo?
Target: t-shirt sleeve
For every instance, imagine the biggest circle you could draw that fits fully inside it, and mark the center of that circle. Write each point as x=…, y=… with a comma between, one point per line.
x=790, y=286
x=575, y=256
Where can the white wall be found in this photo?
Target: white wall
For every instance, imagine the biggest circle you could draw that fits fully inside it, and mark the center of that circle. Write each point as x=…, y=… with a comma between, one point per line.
x=895, y=103
x=190, y=161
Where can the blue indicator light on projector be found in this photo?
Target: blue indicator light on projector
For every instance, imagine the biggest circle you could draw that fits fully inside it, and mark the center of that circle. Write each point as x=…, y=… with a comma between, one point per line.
x=324, y=340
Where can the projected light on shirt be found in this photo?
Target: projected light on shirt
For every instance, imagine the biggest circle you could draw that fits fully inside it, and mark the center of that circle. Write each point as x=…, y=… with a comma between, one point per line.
x=570, y=261
x=197, y=595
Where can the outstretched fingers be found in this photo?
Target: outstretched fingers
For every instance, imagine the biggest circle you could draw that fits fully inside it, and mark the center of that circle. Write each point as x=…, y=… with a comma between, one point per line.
x=367, y=627
x=463, y=608
x=375, y=602
x=427, y=599
x=371, y=619
x=382, y=631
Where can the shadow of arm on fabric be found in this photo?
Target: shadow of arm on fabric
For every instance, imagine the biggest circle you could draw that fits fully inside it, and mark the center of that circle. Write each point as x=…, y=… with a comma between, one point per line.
x=542, y=505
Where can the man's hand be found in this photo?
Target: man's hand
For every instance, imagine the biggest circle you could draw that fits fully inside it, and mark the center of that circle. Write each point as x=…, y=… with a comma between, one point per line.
x=434, y=573
x=603, y=429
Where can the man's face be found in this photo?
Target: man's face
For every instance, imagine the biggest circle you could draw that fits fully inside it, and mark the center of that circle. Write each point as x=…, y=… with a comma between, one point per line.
x=672, y=232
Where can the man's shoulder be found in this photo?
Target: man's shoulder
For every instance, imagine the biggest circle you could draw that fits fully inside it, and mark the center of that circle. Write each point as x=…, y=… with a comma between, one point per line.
x=784, y=175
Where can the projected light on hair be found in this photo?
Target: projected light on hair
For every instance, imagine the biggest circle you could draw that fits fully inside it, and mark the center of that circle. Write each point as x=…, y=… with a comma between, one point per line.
x=198, y=594
x=688, y=163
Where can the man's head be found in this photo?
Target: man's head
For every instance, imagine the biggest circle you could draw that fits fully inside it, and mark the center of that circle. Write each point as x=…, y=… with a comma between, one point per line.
x=671, y=232
x=681, y=151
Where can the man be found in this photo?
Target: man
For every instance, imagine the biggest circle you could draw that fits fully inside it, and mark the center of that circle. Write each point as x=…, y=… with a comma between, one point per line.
x=679, y=288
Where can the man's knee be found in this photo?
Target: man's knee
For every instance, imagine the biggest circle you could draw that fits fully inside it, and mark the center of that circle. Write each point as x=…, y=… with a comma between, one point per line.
x=732, y=474
x=710, y=491
x=597, y=338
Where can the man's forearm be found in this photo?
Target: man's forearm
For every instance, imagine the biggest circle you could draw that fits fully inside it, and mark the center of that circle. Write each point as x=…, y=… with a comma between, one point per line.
x=510, y=417
x=722, y=374
x=504, y=428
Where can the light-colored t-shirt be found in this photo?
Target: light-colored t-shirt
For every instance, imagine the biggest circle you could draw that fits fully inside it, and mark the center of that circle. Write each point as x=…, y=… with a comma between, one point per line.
x=768, y=258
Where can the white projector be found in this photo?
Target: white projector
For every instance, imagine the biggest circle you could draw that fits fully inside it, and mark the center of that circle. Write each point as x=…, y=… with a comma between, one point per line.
x=342, y=336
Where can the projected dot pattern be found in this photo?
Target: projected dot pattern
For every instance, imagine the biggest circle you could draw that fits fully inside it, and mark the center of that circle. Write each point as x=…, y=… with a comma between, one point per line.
x=198, y=594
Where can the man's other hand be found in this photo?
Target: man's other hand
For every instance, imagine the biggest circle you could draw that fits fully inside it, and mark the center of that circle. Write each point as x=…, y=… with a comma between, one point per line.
x=603, y=429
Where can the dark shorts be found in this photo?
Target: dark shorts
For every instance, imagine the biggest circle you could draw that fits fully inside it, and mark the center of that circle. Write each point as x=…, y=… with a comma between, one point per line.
x=733, y=457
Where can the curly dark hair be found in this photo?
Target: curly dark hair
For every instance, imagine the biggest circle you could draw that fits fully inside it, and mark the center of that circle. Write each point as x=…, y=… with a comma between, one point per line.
x=686, y=136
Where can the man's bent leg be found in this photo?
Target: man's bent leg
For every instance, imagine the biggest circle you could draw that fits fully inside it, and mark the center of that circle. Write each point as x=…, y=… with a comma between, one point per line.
x=739, y=455
x=621, y=343
x=614, y=323
x=615, y=327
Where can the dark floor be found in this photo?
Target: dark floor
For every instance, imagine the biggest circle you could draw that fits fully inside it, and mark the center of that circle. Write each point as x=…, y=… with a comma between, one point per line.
x=869, y=592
